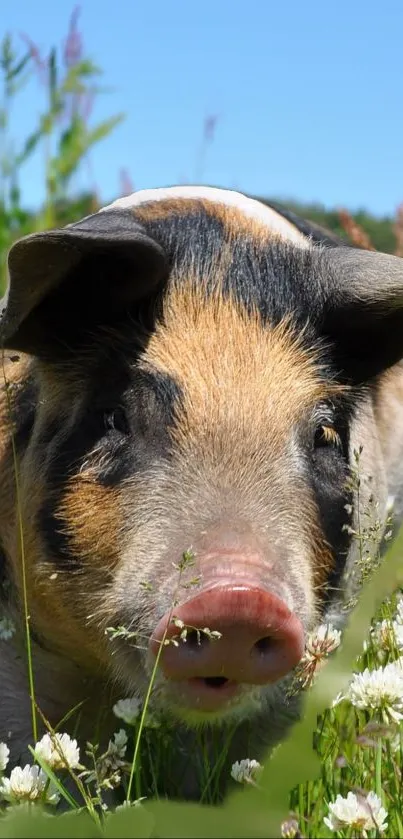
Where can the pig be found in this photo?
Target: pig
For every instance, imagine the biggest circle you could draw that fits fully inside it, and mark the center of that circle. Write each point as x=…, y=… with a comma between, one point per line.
x=188, y=376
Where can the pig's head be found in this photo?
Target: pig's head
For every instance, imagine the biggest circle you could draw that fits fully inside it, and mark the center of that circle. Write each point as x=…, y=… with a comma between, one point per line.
x=198, y=383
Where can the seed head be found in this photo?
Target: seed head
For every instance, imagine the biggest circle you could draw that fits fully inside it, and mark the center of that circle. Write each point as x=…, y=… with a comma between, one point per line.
x=246, y=771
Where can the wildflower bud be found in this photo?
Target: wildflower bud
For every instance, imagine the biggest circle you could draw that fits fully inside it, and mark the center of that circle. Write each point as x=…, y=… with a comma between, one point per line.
x=290, y=829
x=178, y=622
x=127, y=710
x=245, y=771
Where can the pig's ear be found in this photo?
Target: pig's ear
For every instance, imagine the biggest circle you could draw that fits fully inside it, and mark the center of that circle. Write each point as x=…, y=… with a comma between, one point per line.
x=364, y=310
x=62, y=281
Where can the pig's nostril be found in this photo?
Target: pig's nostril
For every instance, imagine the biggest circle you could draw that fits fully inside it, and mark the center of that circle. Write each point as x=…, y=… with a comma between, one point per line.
x=264, y=645
x=196, y=640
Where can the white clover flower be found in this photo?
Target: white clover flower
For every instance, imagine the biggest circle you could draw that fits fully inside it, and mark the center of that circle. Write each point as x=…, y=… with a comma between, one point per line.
x=358, y=812
x=28, y=784
x=7, y=629
x=127, y=710
x=388, y=635
x=380, y=689
x=59, y=751
x=4, y=756
x=245, y=771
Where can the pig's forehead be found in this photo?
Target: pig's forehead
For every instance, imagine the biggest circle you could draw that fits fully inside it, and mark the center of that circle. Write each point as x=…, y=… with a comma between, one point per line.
x=228, y=206
x=220, y=239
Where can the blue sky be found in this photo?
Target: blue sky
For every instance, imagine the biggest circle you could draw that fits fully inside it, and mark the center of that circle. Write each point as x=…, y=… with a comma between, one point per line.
x=309, y=95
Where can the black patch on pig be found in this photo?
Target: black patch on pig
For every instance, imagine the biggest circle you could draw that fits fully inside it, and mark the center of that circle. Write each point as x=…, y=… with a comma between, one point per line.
x=23, y=407
x=330, y=476
x=123, y=428
x=49, y=431
x=277, y=278
x=3, y=574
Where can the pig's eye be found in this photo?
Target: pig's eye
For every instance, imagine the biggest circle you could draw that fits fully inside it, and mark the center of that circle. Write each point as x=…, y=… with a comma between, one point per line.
x=117, y=421
x=327, y=437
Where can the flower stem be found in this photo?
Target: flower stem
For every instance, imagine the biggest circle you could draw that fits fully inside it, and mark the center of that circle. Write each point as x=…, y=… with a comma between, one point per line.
x=378, y=769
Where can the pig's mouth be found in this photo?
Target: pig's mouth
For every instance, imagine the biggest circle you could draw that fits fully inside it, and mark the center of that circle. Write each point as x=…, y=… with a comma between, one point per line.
x=214, y=681
x=211, y=693
x=206, y=698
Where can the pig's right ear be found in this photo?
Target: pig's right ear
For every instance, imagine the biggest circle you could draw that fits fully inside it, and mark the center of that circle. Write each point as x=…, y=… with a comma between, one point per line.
x=63, y=282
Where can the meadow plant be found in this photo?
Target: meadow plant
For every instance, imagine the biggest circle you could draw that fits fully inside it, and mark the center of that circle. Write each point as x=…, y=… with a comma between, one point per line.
x=63, y=136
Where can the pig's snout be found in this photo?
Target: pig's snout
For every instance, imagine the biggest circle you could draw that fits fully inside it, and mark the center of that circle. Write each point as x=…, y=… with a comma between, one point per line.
x=260, y=641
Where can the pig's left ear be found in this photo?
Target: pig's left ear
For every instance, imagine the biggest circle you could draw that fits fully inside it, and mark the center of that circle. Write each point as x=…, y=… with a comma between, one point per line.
x=63, y=281
x=363, y=312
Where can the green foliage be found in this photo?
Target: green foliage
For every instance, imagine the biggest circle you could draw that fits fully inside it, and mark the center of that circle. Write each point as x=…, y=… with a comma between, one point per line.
x=62, y=132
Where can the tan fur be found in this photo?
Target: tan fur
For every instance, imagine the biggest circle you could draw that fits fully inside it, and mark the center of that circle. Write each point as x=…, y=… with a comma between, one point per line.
x=56, y=612
x=12, y=377
x=389, y=420
x=389, y=414
x=233, y=370
x=160, y=210
x=63, y=600
x=92, y=519
x=330, y=435
x=244, y=387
